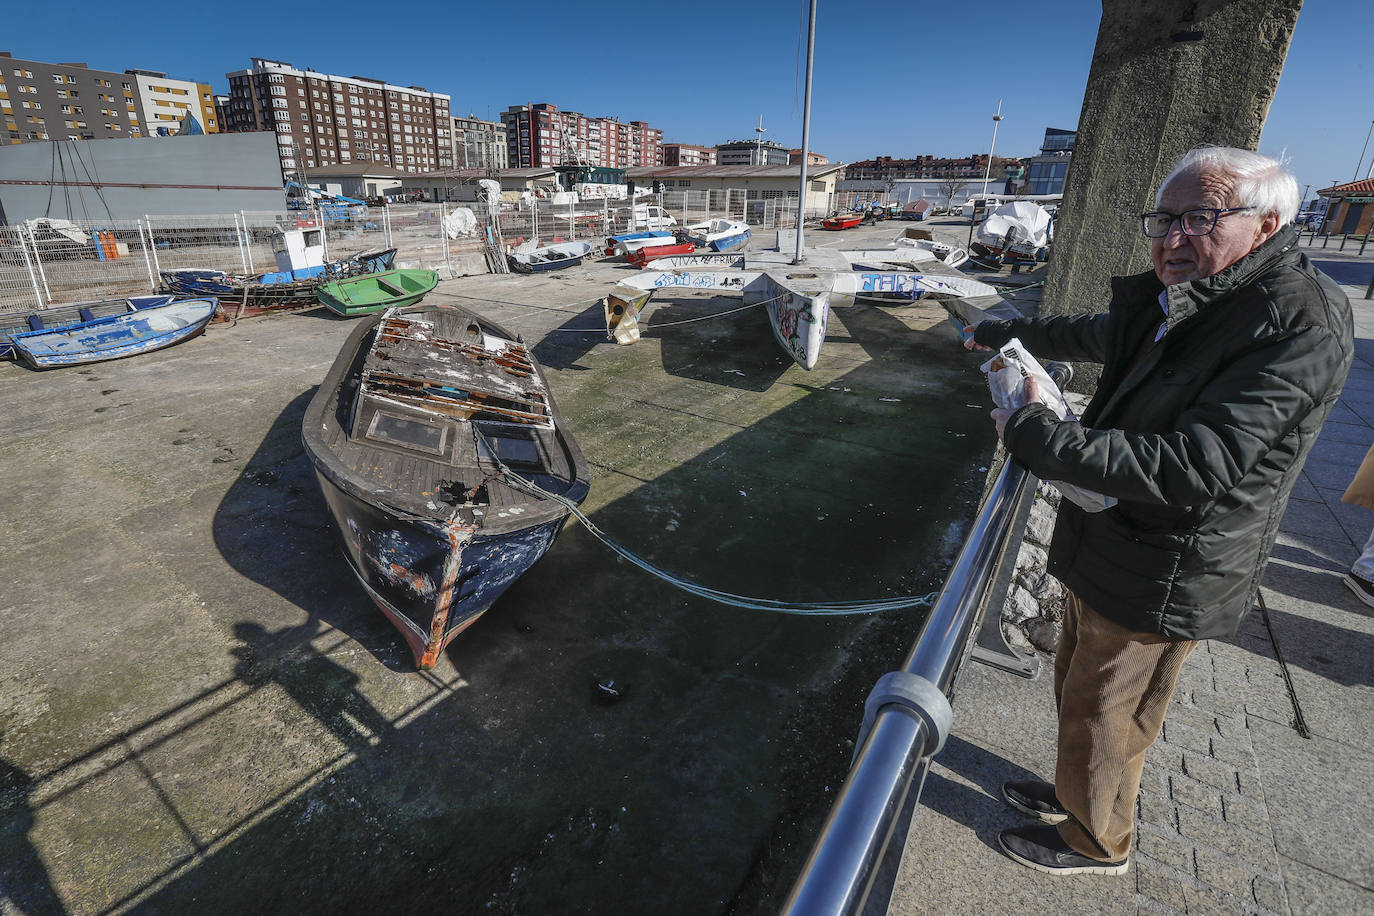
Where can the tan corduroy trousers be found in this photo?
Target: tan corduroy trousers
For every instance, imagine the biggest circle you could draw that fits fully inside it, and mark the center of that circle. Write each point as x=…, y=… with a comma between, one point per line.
x=1112, y=687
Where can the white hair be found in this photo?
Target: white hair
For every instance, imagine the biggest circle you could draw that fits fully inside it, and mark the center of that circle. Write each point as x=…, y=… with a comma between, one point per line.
x=1260, y=182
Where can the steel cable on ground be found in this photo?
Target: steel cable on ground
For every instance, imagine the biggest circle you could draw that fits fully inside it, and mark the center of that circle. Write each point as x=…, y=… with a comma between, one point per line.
x=812, y=608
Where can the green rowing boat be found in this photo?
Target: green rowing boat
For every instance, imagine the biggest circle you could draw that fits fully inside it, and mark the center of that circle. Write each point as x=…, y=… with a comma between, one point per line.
x=376, y=292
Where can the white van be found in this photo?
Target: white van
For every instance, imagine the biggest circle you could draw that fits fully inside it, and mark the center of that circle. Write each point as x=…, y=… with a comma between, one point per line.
x=977, y=208
x=643, y=216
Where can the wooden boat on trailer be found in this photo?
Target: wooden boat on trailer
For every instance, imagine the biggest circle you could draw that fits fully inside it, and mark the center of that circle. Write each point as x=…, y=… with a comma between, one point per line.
x=115, y=336
x=842, y=221
x=61, y=316
x=377, y=292
x=404, y=434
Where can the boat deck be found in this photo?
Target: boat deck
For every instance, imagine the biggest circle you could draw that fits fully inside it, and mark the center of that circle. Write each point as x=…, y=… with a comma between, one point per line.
x=433, y=401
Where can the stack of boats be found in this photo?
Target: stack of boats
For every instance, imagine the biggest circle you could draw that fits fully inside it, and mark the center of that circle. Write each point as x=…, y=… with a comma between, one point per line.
x=716, y=235
x=293, y=287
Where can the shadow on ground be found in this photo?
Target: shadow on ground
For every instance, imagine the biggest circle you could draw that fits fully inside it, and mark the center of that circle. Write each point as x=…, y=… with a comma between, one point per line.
x=1347, y=273
x=700, y=784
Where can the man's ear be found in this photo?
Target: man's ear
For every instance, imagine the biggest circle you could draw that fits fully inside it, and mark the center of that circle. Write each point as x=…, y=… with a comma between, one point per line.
x=1268, y=227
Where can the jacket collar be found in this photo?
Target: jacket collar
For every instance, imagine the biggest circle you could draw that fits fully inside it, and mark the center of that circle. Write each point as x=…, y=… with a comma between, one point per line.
x=1187, y=299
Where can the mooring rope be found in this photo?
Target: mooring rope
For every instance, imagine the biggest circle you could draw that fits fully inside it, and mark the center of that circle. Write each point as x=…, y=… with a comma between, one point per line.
x=812, y=608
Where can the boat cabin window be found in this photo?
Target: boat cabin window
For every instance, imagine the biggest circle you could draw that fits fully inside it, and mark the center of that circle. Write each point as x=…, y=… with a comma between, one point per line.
x=410, y=433
x=512, y=446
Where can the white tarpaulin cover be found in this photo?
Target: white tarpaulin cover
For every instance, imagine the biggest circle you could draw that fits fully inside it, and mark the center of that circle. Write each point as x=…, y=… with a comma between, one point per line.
x=491, y=191
x=1030, y=221
x=460, y=222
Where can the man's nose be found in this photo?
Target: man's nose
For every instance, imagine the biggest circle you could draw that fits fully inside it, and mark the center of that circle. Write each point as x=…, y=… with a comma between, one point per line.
x=1175, y=237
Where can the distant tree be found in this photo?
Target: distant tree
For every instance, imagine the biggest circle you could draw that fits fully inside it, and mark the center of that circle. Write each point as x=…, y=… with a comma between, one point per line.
x=950, y=186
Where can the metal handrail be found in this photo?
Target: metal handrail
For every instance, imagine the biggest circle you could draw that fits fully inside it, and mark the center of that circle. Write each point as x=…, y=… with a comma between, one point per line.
x=907, y=721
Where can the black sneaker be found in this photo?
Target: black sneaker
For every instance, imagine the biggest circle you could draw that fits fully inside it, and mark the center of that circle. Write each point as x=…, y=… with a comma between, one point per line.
x=1043, y=849
x=1036, y=798
x=1362, y=589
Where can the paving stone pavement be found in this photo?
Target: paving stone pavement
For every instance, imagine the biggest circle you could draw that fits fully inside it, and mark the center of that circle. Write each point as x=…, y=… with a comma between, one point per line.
x=1238, y=812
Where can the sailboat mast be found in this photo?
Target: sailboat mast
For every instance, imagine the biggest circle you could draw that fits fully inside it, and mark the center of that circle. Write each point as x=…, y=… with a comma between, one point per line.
x=806, y=127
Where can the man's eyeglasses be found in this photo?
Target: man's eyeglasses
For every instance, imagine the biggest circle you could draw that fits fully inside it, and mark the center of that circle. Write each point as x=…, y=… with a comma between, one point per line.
x=1193, y=222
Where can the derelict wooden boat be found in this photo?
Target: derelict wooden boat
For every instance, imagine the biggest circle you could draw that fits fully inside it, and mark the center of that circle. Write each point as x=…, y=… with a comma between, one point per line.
x=645, y=255
x=61, y=316
x=377, y=292
x=115, y=336
x=842, y=221
x=402, y=434
x=550, y=257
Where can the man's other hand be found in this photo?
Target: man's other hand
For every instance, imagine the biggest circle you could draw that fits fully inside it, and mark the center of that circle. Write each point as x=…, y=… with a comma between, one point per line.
x=1001, y=415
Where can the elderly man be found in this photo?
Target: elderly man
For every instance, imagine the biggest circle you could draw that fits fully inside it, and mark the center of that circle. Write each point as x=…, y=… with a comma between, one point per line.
x=1218, y=368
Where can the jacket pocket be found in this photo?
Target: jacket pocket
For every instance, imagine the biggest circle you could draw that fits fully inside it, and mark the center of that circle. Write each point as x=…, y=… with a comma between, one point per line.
x=1135, y=568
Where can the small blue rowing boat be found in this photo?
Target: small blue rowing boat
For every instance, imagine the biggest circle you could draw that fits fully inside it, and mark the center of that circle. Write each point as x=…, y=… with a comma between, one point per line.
x=61, y=316
x=115, y=336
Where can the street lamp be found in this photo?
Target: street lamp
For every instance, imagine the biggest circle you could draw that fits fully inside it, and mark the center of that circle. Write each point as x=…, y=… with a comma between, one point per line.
x=988, y=172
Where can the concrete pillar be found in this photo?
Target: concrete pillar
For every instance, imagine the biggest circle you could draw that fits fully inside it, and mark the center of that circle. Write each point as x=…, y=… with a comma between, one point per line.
x=1167, y=75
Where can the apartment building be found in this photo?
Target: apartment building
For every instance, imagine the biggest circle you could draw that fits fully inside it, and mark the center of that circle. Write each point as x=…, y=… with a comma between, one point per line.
x=751, y=152
x=321, y=119
x=812, y=157
x=66, y=101
x=166, y=102
x=685, y=154
x=479, y=144
x=540, y=135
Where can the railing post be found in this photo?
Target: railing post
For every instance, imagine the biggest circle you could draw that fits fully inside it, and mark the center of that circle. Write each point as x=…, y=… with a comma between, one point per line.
x=147, y=246
x=248, y=242
x=239, y=236
x=152, y=244
x=24, y=247
x=38, y=259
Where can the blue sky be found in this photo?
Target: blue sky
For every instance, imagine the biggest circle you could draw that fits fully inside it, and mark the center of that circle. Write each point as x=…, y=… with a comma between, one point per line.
x=891, y=78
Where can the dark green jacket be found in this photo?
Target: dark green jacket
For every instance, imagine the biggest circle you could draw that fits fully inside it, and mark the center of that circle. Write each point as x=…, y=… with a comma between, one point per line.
x=1200, y=437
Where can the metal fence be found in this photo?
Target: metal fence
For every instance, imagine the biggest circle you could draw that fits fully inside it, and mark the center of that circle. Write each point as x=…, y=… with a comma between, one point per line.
x=40, y=266
x=88, y=260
